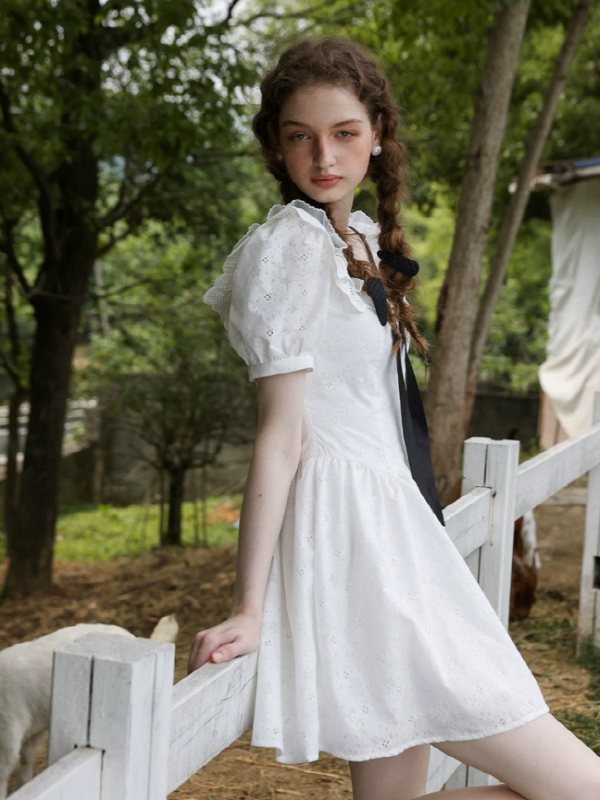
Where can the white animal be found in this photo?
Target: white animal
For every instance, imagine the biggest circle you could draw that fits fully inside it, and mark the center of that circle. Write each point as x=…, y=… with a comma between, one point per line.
x=25, y=688
x=531, y=556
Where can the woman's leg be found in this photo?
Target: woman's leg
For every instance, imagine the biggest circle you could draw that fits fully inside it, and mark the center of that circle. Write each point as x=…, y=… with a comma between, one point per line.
x=401, y=777
x=540, y=760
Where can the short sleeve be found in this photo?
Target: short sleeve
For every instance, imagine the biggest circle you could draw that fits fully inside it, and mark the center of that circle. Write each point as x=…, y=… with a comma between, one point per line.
x=280, y=291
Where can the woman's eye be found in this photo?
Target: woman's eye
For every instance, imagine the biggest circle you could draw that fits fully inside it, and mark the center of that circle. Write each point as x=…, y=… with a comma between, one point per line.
x=346, y=134
x=297, y=135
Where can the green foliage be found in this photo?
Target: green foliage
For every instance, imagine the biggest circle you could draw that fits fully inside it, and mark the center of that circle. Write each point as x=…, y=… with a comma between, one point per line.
x=174, y=379
x=163, y=90
x=98, y=533
x=516, y=342
x=180, y=384
x=517, y=338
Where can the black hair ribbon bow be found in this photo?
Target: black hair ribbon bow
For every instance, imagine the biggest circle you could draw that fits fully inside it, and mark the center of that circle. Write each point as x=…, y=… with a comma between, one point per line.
x=400, y=263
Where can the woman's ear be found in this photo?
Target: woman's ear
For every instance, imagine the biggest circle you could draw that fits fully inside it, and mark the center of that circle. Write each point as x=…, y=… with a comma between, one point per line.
x=377, y=130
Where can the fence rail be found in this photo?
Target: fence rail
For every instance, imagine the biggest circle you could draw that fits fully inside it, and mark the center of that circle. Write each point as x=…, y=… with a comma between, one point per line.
x=74, y=424
x=138, y=737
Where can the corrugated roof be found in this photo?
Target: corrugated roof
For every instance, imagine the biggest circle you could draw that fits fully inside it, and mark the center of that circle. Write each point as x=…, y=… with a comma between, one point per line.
x=551, y=174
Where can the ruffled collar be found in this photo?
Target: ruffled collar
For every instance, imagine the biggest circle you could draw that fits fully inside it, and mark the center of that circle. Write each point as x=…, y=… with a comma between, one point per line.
x=357, y=219
x=364, y=223
x=317, y=214
x=352, y=287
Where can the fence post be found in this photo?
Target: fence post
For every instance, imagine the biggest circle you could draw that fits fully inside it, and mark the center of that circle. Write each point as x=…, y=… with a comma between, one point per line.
x=492, y=464
x=590, y=567
x=114, y=693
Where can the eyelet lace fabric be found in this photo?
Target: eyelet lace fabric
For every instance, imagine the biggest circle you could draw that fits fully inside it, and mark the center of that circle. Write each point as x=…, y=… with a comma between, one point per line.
x=376, y=636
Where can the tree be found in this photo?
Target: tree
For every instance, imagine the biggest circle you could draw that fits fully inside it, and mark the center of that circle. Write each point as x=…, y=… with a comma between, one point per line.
x=180, y=387
x=186, y=415
x=446, y=389
x=462, y=330
x=14, y=359
x=516, y=208
x=111, y=112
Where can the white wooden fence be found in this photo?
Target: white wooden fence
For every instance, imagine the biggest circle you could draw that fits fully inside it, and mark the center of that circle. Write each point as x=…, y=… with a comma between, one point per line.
x=74, y=424
x=120, y=730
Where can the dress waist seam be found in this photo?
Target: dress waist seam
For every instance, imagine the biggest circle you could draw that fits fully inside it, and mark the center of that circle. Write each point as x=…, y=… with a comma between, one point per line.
x=390, y=472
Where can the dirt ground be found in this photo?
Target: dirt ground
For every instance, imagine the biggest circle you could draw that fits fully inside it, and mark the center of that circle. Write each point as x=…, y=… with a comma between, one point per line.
x=196, y=585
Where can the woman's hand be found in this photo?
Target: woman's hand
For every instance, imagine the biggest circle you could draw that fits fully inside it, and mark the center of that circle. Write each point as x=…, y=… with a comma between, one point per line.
x=236, y=636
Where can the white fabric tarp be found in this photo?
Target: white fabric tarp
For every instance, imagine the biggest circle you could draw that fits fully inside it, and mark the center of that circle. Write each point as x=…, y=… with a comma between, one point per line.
x=571, y=372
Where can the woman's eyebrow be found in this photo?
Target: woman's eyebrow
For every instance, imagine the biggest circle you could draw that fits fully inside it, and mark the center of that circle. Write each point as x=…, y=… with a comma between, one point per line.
x=289, y=122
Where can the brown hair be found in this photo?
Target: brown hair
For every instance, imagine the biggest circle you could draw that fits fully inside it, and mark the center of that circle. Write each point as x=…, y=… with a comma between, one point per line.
x=338, y=62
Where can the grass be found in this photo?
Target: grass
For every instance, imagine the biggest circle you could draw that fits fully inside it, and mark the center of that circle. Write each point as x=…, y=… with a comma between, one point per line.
x=99, y=533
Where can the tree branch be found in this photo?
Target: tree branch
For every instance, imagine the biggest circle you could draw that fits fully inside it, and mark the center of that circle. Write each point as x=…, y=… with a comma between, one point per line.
x=121, y=209
x=102, y=251
x=11, y=318
x=8, y=366
x=8, y=248
x=518, y=202
x=41, y=181
x=230, y=10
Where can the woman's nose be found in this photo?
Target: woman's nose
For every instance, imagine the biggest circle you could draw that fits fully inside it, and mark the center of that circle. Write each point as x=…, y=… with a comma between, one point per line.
x=323, y=155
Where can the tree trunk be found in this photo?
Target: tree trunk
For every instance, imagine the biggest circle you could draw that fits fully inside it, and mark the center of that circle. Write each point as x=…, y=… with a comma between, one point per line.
x=516, y=208
x=176, y=487
x=30, y=568
x=12, y=468
x=446, y=390
x=57, y=299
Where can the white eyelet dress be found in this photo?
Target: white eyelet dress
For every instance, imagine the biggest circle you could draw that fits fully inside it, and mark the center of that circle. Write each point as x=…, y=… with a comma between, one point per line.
x=376, y=636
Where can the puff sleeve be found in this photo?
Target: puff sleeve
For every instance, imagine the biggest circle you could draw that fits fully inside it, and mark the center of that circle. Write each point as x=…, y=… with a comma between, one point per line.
x=275, y=295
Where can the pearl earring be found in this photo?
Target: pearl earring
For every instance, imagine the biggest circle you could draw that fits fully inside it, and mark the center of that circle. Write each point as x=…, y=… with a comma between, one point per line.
x=376, y=150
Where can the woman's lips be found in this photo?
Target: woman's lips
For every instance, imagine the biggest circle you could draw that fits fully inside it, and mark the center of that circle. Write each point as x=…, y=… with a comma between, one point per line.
x=325, y=181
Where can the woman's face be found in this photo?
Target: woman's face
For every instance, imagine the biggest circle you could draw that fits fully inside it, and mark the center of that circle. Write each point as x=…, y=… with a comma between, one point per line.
x=326, y=138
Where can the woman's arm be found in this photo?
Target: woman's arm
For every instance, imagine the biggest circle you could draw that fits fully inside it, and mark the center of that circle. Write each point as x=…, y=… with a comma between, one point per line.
x=274, y=462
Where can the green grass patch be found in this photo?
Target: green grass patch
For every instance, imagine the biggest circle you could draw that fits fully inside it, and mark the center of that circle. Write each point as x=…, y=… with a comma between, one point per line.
x=98, y=533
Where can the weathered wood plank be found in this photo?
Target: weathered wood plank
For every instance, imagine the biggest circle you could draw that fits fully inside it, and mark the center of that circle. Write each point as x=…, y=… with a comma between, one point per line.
x=441, y=769
x=211, y=708
x=458, y=779
x=75, y=776
x=70, y=703
x=131, y=682
x=542, y=476
x=496, y=555
x=467, y=520
x=162, y=703
x=494, y=465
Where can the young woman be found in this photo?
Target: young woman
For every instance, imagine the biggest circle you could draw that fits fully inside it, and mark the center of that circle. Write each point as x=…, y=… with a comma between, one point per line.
x=375, y=638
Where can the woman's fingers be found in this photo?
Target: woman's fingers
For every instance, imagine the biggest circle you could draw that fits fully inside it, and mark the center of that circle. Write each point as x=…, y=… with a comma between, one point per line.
x=228, y=651
x=224, y=642
x=200, y=652
x=205, y=645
